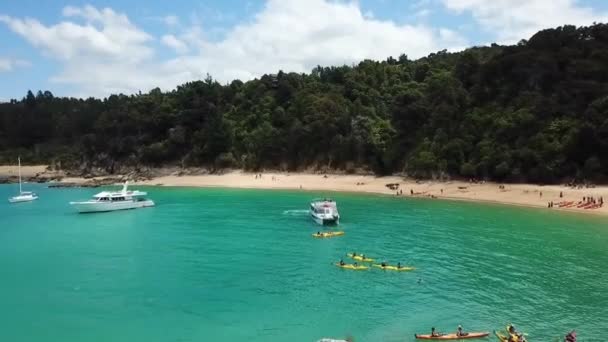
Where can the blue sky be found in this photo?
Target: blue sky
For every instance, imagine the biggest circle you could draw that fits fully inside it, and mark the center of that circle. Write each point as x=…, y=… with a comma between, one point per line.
x=95, y=48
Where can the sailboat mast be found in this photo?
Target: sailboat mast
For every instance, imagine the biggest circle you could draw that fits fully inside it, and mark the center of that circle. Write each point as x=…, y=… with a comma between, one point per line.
x=19, y=161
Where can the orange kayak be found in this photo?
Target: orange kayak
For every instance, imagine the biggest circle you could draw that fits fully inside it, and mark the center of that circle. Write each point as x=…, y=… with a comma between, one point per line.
x=453, y=336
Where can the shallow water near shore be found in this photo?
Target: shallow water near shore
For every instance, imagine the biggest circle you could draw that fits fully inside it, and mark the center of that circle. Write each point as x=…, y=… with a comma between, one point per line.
x=241, y=265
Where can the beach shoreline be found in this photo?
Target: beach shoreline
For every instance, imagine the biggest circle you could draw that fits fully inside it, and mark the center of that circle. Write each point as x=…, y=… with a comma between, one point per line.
x=525, y=195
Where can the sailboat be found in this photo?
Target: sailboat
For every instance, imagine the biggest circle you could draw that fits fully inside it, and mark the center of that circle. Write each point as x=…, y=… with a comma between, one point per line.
x=24, y=196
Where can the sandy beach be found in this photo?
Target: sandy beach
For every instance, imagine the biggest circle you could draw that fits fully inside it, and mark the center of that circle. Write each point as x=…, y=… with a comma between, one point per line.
x=530, y=195
x=514, y=194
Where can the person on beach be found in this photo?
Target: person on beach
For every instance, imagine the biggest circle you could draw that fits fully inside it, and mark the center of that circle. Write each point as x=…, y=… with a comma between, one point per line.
x=459, y=332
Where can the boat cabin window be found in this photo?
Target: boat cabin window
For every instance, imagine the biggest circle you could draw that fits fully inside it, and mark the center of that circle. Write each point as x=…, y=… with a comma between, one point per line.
x=103, y=198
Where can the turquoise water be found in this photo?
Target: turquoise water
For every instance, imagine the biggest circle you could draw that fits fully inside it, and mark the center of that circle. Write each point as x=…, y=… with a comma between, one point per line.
x=241, y=265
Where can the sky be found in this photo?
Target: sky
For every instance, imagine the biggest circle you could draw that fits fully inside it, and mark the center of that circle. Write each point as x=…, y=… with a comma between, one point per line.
x=97, y=48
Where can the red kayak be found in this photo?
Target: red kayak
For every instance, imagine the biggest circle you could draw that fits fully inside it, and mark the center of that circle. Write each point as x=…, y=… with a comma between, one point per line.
x=453, y=336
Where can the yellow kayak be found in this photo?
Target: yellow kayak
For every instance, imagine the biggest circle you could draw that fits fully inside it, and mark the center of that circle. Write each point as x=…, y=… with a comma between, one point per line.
x=501, y=337
x=327, y=234
x=395, y=268
x=359, y=258
x=352, y=267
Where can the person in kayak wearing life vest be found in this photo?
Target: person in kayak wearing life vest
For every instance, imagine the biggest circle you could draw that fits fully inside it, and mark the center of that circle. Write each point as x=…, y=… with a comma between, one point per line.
x=571, y=337
x=383, y=264
x=341, y=262
x=514, y=336
x=434, y=333
x=399, y=265
x=460, y=333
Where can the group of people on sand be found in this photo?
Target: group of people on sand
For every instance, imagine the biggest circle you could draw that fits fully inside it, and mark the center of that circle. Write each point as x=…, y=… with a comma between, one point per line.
x=588, y=202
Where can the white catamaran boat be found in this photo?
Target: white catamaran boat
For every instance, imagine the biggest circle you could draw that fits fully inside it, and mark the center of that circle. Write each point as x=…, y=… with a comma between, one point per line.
x=324, y=211
x=110, y=201
x=24, y=196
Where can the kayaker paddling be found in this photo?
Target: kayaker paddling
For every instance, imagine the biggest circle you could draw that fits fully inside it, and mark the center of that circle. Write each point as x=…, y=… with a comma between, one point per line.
x=461, y=333
x=341, y=262
x=434, y=333
x=571, y=337
x=514, y=336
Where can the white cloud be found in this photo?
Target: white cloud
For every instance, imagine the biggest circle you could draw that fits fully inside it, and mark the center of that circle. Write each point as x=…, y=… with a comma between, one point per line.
x=102, y=52
x=9, y=64
x=171, y=20
x=512, y=20
x=423, y=13
x=105, y=34
x=174, y=43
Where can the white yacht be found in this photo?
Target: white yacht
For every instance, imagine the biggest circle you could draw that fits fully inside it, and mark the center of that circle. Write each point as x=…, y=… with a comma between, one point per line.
x=24, y=196
x=324, y=211
x=110, y=201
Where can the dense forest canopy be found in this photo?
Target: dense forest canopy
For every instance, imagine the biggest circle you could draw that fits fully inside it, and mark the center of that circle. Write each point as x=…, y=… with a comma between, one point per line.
x=536, y=111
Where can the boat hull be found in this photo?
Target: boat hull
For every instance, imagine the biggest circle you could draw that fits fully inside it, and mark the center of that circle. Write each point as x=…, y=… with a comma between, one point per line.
x=447, y=337
x=98, y=207
x=325, y=221
x=19, y=199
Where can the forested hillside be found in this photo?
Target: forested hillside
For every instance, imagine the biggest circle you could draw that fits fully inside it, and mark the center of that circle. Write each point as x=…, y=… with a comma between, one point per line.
x=537, y=111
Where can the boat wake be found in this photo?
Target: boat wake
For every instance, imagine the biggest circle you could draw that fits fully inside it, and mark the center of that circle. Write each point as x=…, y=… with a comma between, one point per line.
x=296, y=212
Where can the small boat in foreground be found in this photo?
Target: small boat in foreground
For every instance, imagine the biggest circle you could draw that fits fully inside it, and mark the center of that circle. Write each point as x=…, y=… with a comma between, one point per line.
x=359, y=257
x=352, y=267
x=395, y=268
x=111, y=201
x=504, y=338
x=446, y=337
x=327, y=234
x=24, y=196
x=324, y=211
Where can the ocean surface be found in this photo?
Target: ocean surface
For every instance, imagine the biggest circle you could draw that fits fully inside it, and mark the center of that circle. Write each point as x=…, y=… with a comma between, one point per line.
x=241, y=265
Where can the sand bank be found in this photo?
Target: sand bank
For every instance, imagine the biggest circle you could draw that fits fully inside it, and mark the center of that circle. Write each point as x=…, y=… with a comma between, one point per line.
x=514, y=194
